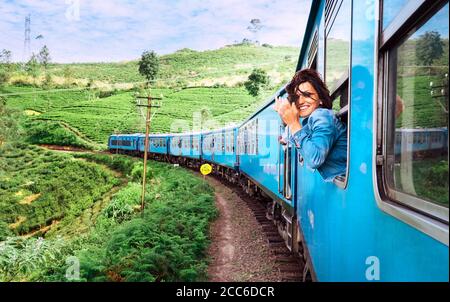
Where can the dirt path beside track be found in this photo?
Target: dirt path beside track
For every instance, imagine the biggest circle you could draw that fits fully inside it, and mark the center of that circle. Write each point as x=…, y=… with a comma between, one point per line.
x=239, y=250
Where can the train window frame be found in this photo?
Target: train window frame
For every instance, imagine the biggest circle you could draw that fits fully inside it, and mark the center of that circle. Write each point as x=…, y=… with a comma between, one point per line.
x=428, y=217
x=343, y=84
x=313, y=50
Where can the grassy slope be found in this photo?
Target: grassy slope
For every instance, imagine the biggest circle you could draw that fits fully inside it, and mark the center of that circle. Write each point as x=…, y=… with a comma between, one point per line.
x=39, y=186
x=193, y=67
x=97, y=119
x=167, y=243
x=94, y=119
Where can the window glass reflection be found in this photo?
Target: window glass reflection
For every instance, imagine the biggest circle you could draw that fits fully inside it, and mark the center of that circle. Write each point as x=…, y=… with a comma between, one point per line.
x=418, y=98
x=338, y=46
x=391, y=8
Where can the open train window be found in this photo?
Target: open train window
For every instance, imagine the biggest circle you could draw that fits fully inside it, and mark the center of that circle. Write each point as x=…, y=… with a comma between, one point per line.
x=338, y=33
x=412, y=136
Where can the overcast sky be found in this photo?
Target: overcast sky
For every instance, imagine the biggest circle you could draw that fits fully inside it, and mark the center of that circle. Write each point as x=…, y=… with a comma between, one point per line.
x=119, y=30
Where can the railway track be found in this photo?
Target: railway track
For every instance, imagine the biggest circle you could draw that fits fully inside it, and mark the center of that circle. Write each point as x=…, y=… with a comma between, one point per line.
x=289, y=264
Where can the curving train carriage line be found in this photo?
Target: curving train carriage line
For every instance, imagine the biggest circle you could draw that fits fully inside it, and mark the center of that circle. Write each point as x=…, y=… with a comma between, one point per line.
x=374, y=223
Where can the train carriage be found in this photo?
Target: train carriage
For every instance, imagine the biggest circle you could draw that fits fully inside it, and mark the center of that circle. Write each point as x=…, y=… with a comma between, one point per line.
x=157, y=143
x=375, y=223
x=219, y=147
x=421, y=141
x=124, y=142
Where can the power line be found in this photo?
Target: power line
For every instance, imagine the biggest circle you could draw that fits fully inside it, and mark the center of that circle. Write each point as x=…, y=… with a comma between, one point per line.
x=27, y=41
x=149, y=105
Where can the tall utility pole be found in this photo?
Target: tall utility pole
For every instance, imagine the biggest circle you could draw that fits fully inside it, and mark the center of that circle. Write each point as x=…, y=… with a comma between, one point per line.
x=27, y=41
x=147, y=131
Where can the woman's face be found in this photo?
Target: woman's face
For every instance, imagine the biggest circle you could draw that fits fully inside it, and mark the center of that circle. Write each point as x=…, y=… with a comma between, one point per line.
x=308, y=99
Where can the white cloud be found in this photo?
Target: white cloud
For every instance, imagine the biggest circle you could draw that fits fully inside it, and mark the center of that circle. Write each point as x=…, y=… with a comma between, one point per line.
x=121, y=30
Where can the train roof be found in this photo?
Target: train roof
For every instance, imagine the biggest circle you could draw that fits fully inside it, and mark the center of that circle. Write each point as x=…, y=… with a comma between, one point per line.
x=204, y=132
x=309, y=30
x=156, y=135
x=130, y=134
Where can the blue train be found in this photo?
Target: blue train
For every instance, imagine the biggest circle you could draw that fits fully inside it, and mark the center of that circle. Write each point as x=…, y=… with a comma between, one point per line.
x=387, y=218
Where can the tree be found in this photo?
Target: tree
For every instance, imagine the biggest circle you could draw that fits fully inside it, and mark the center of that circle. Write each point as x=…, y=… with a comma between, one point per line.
x=254, y=27
x=5, y=66
x=44, y=56
x=149, y=65
x=5, y=56
x=429, y=47
x=32, y=67
x=256, y=80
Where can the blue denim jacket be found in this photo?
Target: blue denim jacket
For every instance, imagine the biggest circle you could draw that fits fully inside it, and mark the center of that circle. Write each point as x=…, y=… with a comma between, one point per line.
x=322, y=142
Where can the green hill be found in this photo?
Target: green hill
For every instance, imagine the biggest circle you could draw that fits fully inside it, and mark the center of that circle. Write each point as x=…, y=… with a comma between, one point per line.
x=193, y=84
x=228, y=65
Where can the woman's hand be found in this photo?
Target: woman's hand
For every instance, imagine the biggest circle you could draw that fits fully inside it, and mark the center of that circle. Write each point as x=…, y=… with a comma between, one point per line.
x=288, y=113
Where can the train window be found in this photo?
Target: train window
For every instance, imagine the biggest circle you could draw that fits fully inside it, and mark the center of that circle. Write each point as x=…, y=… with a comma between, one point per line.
x=416, y=111
x=250, y=138
x=256, y=136
x=338, y=34
x=241, y=141
x=226, y=142
x=231, y=142
x=337, y=50
x=245, y=139
x=218, y=142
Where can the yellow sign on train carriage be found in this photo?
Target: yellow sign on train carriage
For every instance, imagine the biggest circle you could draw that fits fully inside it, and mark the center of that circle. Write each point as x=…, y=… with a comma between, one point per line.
x=205, y=169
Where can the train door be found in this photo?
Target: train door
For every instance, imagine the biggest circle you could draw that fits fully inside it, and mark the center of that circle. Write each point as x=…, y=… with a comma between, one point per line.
x=285, y=180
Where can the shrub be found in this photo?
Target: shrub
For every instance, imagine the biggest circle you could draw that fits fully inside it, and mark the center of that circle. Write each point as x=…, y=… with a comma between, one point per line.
x=437, y=175
x=124, y=203
x=4, y=231
x=52, y=133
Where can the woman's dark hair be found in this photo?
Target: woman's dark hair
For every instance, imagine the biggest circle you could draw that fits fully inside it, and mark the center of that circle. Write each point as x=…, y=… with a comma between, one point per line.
x=311, y=76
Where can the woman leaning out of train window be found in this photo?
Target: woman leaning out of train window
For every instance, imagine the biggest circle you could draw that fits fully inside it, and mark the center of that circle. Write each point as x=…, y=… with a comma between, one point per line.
x=318, y=135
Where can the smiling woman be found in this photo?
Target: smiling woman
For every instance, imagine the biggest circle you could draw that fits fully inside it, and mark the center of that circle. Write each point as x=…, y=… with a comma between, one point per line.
x=320, y=137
